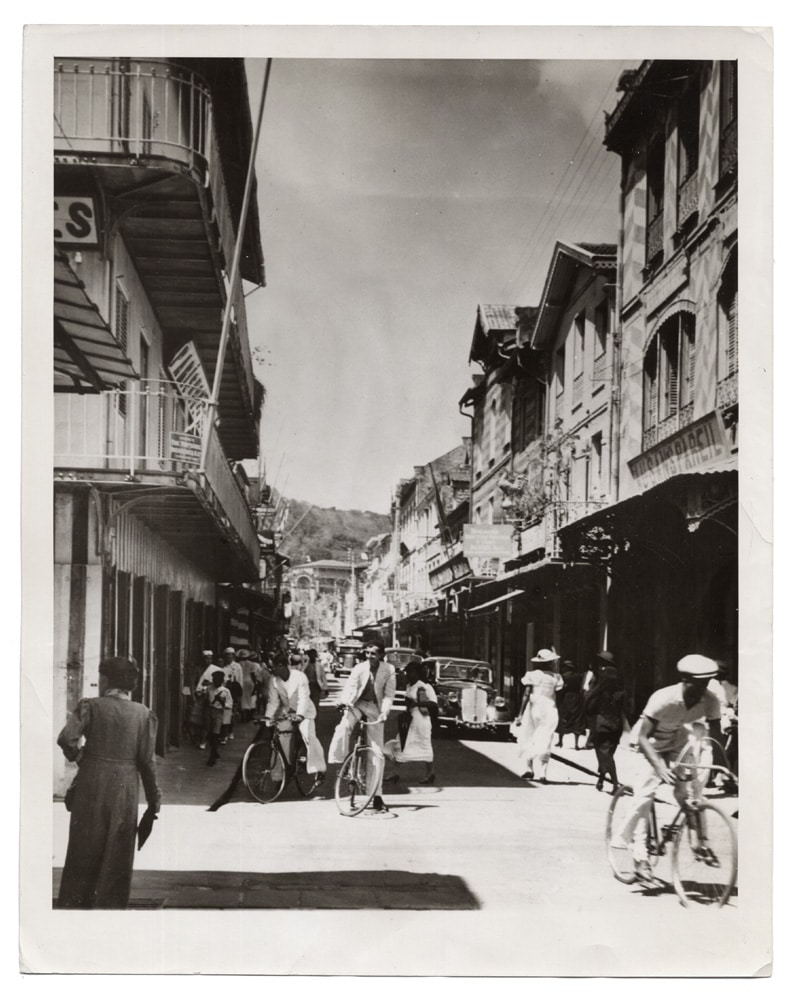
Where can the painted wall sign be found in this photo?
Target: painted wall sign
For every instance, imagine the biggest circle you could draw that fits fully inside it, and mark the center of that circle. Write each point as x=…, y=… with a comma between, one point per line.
x=76, y=221
x=695, y=449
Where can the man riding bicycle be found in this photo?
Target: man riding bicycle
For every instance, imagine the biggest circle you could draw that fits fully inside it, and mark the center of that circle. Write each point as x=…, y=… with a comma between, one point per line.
x=663, y=731
x=288, y=698
x=368, y=694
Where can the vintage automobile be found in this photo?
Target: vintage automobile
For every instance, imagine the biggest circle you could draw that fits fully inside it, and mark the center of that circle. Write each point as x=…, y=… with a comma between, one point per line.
x=348, y=652
x=466, y=696
x=399, y=656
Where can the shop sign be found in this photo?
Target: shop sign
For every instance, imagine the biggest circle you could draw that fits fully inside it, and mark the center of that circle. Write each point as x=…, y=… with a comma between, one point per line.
x=186, y=448
x=697, y=448
x=449, y=572
x=76, y=222
x=488, y=541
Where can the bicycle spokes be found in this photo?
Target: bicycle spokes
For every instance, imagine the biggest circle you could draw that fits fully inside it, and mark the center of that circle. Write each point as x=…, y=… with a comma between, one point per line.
x=705, y=857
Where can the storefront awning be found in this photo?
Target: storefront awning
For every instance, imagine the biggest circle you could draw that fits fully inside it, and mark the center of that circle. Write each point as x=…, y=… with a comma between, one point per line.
x=497, y=600
x=87, y=358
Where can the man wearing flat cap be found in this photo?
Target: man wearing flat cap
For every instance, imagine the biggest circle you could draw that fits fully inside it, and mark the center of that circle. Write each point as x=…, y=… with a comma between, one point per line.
x=662, y=733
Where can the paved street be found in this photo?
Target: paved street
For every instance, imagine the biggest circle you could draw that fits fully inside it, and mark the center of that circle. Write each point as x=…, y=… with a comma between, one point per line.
x=480, y=840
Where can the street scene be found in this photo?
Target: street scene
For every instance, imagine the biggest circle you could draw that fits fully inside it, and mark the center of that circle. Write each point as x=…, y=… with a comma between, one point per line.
x=397, y=525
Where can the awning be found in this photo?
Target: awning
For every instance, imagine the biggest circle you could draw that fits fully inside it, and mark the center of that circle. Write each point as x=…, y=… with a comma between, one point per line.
x=87, y=355
x=497, y=600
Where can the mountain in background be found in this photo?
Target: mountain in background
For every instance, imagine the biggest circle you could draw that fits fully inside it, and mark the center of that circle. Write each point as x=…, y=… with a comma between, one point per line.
x=327, y=533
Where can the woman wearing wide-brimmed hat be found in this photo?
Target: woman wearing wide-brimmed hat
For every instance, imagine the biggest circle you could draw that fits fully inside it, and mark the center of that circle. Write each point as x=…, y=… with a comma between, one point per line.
x=539, y=713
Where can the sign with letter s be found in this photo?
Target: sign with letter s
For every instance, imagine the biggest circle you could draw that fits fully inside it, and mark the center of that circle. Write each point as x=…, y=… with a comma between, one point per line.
x=76, y=221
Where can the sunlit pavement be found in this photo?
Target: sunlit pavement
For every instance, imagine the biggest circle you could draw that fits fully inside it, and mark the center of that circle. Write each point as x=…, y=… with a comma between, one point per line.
x=479, y=840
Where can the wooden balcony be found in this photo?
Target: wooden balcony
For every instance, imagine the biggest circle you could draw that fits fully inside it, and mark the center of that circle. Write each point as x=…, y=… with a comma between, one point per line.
x=146, y=443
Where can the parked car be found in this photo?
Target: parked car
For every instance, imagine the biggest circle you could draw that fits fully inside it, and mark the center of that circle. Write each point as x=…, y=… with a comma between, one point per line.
x=466, y=696
x=348, y=651
x=399, y=656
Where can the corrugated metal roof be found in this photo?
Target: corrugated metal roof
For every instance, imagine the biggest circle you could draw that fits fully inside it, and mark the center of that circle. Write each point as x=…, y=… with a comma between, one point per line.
x=497, y=317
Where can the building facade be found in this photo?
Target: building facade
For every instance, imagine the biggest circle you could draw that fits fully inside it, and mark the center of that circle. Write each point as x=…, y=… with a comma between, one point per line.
x=151, y=512
x=670, y=539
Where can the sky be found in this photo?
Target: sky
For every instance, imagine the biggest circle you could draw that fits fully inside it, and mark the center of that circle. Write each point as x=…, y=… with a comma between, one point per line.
x=395, y=195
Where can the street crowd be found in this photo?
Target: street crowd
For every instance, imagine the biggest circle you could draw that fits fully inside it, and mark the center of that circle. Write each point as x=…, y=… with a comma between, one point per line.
x=112, y=737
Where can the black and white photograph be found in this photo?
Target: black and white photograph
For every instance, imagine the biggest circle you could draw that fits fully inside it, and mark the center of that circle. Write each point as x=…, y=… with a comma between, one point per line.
x=394, y=553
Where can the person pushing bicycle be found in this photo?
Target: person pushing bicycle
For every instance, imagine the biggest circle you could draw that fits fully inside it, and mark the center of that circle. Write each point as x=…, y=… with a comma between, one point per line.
x=662, y=733
x=288, y=698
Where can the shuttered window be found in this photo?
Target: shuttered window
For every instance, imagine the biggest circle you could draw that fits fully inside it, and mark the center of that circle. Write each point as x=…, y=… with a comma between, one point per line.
x=669, y=370
x=121, y=324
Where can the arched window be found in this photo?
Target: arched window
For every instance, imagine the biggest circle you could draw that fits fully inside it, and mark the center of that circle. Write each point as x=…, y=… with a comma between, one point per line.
x=669, y=369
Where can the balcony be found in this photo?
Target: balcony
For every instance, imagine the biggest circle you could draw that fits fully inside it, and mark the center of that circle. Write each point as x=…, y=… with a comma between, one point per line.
x=577, y=390
x=727, y=391
x=728, y=149
x=665, y=428
x=654, y=239
x=151, y=437
x=144, y=133
x=687, y=199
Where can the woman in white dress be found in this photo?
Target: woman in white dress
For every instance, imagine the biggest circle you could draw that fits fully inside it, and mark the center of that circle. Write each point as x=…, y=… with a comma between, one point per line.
x=538, y=715
x=418, y=745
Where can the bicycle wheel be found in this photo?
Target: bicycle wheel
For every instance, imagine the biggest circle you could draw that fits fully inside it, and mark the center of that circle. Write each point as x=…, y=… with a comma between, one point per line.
x=705, y=857
x=352, y=790
x=264, y=773
x=305, y=782
x=619, y=852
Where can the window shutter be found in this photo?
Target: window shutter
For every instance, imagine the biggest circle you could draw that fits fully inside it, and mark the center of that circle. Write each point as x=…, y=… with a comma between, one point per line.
x=731, y=348
x=691, y=366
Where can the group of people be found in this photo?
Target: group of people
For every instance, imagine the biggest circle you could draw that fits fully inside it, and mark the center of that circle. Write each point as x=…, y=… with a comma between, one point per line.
x=558, y=701
x=561, y=701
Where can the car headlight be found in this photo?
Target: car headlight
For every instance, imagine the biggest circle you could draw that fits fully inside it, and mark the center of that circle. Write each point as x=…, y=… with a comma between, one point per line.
x=500, y=702
x=452, y=697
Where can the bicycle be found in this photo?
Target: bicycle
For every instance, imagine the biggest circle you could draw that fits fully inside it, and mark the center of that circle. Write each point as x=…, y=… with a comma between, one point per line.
x=352, y=791
x=704, y=853
x=266, y=770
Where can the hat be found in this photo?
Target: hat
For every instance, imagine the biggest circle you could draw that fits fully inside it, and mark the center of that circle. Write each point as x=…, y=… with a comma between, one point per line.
x=229, y=649
x=696, y=666
x=207, y=652
x=242, y=654
x=605, y=656
x=544, y=656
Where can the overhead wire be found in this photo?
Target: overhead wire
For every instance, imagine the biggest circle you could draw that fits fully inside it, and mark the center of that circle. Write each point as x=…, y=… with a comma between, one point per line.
x=579, y=172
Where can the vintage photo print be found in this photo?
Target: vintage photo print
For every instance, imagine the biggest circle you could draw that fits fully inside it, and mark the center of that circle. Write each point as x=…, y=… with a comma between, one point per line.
x=400, y=403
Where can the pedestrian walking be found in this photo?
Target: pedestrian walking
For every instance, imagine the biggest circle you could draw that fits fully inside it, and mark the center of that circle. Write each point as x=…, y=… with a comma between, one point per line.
x=414, y=743
x=538, y=715
x=250, y=677
x=233, y=675
x=112, y=740
x=604, y=705
x=571, y=704
x=219, y=702
x=316, y=675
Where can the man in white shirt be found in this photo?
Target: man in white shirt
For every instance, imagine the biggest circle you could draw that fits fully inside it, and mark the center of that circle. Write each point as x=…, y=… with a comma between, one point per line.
x=288, y=698
x=662, y=734
x=368, y=693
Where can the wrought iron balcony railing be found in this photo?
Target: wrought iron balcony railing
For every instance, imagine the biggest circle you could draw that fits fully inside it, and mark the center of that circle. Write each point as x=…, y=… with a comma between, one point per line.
x=727, y=391
x=654, y=238
x=728, y=149
x=153, y=433
x=687, y=199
